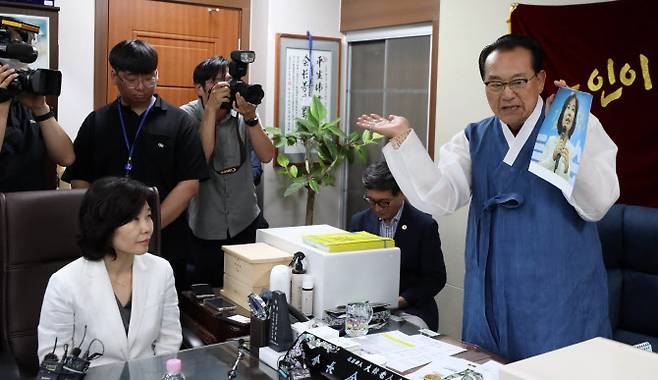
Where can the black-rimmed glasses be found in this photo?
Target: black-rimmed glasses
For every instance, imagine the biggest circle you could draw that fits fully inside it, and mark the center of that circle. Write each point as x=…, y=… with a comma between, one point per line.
x=497, y=86
x=147, y=80
x=383, y=203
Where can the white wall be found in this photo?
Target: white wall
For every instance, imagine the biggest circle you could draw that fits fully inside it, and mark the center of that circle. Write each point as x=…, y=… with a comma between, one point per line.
x=465, y=27
x=321, y=18
x=76, y=62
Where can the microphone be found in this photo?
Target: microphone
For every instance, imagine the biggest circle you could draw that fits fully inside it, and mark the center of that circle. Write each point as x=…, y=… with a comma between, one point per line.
x=50, y=366
x=74, y=367
x=70, y=367
x=75, y=352
x=23, y=52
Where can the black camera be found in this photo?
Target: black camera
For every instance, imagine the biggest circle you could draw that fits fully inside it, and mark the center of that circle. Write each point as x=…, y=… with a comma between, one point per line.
x=237, y=67
x=17, y=41
x=39, y=81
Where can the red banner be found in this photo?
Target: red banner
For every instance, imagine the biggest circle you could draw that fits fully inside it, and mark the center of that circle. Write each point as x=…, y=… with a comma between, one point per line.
x=611, y=51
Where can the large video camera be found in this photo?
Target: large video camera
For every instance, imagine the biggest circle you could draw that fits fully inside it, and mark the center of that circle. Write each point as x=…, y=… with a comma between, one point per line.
x=17, y=46
x=237, y=67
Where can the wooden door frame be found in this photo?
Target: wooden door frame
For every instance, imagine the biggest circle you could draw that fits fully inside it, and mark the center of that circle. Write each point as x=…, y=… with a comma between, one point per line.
x=101, y=36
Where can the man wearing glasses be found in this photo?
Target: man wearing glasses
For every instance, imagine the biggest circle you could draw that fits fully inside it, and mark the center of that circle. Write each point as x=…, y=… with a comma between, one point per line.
x=535, y=279
x=422, y=270
x=225, y=211
x=143, y=137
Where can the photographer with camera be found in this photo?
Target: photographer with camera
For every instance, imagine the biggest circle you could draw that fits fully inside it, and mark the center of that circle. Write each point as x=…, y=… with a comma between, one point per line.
x=28, y=129
x=225, y=211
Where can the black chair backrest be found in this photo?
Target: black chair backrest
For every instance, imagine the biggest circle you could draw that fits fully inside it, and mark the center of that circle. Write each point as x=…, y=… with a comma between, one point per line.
x=629, y=239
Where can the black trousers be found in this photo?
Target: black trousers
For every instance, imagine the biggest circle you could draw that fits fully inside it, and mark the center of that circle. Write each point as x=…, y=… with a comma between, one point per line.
x=208, y=257
x=175, y=245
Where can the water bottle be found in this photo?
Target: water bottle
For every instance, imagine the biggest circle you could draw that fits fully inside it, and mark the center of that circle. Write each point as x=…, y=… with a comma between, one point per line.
x=173, y=370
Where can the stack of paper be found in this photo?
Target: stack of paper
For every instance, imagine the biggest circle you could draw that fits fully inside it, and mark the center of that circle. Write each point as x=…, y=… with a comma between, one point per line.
x=348, y=241
x=406, y=352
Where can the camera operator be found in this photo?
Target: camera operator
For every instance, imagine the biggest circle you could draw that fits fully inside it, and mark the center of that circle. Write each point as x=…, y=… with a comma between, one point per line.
x=28, y=131
x=225, y=211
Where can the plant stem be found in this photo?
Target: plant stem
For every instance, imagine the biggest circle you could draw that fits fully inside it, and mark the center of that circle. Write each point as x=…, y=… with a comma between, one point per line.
x=307, y=155
x=310, y=205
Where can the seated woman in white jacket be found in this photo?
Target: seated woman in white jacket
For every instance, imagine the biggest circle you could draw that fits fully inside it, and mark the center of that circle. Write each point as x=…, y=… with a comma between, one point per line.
x=116, y=296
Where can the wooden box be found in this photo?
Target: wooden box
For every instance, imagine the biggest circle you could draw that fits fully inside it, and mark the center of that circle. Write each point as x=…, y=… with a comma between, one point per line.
x=247, y=269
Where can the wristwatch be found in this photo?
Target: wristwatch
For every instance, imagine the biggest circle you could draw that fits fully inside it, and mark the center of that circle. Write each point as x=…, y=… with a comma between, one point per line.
x=44, y=117
x=252, y=123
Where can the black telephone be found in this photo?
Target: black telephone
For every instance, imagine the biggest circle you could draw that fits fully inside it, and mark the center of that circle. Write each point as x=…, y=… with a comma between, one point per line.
x=280, y=321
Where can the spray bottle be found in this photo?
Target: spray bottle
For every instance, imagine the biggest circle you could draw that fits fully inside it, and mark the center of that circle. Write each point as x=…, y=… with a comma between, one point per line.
x=298, y=272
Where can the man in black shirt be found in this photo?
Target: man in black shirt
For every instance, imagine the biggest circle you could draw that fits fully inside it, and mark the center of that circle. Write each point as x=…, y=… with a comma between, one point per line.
x=142, y=136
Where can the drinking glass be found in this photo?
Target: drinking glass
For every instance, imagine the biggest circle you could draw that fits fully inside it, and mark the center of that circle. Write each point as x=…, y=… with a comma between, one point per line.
x=357, y=318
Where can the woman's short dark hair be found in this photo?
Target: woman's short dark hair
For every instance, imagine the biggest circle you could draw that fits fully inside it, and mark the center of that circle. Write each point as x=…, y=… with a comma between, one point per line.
x=135, y=56
x=510, y=42
x=108, y=204
x=209, y=69
x=560, y=125
x=378, y=177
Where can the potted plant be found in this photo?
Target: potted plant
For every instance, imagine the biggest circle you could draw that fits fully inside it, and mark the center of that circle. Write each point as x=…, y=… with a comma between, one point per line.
x=326, y=147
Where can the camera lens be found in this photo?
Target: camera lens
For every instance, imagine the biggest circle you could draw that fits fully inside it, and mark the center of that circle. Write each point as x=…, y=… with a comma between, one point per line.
x=247, y=56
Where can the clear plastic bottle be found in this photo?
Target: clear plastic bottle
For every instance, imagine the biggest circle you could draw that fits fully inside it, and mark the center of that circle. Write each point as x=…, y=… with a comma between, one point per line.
x=307, y=296
x=173, y=370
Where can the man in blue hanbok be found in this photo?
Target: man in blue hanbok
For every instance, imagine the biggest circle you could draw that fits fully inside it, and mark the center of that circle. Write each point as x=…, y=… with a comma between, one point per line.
x=535, y=279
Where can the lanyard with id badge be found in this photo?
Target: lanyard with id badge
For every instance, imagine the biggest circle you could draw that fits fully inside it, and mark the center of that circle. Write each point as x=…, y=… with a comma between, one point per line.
x=128, y=167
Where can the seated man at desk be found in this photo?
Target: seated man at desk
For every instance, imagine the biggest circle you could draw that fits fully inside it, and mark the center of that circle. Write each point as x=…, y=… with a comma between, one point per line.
x=422, y=270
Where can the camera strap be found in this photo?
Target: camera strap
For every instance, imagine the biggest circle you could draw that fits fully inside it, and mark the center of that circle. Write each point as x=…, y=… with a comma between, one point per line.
x=128, y=167
x=243, y=153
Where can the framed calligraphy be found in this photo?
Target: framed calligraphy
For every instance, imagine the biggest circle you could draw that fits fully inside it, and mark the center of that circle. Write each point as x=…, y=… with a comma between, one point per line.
x=304, y=68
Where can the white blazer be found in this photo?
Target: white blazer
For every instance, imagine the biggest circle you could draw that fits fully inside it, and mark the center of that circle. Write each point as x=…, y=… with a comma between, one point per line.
x=80, y=294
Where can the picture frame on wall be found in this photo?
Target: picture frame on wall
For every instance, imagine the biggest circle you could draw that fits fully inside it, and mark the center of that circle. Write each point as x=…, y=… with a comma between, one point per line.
x=305, y=67
x=43, y=38
x=47, y=19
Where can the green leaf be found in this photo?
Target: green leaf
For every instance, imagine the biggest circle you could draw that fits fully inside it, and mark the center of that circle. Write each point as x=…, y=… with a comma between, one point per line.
x=336, y=131
x=323, y=154
x=313, y=120
x=330, y=180
x=291, y=140
x=282, y=160
x=354, y=136
x=350, y=155
x=273, y=131
x=331, y=146
x=321, y=164
x=333, y=122
x=293, y=171
x=360, y=154
x=316, y=172
x=313, y=184
x=317, y=110
x=293, y=188
x=322, y=111
x=305, y=125
x=366, y=136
